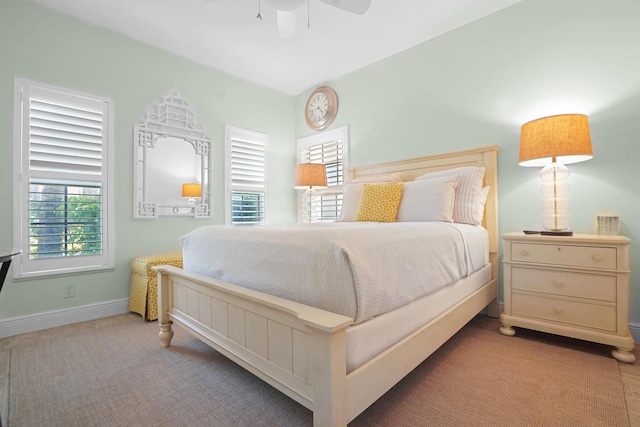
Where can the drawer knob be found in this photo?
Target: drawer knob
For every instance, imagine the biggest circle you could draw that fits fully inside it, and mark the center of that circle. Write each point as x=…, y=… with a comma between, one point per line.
x=524, y=252
x=558, y=310
x=558, y=283
x=597, y=257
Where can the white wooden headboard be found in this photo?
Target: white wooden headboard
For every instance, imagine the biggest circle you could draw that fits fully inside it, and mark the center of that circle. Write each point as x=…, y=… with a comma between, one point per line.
x=411, y=168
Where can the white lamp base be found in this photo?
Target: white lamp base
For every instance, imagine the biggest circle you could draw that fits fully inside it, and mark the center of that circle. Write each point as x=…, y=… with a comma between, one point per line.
x=555, y=205
x=308, y=198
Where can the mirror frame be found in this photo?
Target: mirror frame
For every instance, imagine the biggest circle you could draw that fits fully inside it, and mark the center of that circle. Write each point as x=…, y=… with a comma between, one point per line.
x=171, y=116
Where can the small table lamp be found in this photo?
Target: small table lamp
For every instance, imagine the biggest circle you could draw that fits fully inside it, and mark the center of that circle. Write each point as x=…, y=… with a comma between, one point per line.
x=310, y=176
x=553, y=142
x=191, y=191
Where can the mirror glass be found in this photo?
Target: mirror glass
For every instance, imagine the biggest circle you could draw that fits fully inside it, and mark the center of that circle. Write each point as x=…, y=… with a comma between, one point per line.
x=170, y=150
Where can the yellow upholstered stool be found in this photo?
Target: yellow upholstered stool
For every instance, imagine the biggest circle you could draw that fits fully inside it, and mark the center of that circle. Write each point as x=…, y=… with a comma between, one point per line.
x=143, y=297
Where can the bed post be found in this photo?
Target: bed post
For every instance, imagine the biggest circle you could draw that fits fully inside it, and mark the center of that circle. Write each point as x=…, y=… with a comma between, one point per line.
x=329, y=378
x=166, y=334
x=491, y=220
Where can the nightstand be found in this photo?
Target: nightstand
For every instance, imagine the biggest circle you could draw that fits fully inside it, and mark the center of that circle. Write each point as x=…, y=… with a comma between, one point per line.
x=576, y=286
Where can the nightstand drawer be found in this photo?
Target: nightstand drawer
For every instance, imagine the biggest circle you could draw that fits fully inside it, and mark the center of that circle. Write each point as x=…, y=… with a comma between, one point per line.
x=570, y=312
x=567, y=255
x=591, y=286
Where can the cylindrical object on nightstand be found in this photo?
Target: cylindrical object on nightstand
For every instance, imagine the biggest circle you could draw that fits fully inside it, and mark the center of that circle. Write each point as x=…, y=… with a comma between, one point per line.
x=608, y=225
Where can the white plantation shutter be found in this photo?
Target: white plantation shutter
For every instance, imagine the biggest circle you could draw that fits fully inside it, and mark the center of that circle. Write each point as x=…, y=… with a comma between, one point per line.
x=328, y=148
x=329, y=154
x=247, y=164
x=62, y=138
x=63, y=200
x=245, y=153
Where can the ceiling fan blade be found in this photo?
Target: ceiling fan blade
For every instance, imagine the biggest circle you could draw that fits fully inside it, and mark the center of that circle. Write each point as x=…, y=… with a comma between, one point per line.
x=355, y=6
x=286, y=23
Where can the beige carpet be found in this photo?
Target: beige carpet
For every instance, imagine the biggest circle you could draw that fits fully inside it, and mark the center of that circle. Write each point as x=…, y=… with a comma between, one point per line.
x=114, y=372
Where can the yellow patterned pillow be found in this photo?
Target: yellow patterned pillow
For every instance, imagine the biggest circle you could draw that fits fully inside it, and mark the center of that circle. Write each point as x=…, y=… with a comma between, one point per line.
x=379, y=202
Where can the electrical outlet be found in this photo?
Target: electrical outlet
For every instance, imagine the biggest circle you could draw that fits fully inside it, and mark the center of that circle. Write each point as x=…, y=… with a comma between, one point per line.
x=68, y=290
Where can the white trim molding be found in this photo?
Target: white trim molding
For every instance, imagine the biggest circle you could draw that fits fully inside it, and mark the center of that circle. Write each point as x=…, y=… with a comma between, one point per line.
x=50, y=319
x=634, y=328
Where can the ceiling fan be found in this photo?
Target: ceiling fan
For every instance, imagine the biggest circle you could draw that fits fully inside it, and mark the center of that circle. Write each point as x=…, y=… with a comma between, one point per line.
x=286, y=11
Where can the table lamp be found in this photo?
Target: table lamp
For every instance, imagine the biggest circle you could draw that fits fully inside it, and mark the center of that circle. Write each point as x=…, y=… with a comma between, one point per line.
x=553, y=142
x=310, y=176
x=191, y=191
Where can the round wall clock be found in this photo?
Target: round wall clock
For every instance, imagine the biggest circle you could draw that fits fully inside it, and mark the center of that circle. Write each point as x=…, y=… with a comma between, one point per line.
x=321, y=108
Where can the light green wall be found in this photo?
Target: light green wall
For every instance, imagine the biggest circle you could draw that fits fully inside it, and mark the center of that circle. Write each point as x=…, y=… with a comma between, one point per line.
x=475, y=86
x=471, y=87
x=38, y=44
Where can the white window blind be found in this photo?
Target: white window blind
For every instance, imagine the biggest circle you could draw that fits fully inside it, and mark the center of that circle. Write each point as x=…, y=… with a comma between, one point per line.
x=245, y=154
x=328, y=148
x=329, y=154
x=62, y=199
x=64, y=138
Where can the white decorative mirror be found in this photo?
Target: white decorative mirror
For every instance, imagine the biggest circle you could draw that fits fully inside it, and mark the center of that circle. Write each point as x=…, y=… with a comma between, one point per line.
x=171, y=162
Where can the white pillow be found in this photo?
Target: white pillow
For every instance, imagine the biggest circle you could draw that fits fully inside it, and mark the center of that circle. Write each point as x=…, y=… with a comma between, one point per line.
x=350, y=201
x=484, y=192
x=428, y=200
x=392, y=177
x=466, y=205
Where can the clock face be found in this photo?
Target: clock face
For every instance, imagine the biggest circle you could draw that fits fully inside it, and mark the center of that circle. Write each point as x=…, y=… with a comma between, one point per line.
x=318, y=107
x=321, y=108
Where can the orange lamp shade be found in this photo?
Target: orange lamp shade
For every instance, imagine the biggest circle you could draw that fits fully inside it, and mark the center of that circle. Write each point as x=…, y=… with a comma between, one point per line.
x=191, y=190
x=564, y=139
x=310, y=175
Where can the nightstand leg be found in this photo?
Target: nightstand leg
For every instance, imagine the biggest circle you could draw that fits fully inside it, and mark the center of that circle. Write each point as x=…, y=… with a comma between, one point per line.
x=623, y=355
x=507, y=330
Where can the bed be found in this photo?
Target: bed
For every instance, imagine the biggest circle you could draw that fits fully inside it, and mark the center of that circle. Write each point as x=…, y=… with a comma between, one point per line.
x=307, y=352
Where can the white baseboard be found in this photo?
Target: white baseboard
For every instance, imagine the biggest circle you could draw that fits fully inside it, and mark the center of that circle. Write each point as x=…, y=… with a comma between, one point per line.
x=39, y=321
x=634, y=328
x=50, y=319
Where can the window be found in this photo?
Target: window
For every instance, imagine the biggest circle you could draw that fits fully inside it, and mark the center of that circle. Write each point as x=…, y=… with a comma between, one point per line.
x=245, y=154
x=329, y=148
x=63, y=202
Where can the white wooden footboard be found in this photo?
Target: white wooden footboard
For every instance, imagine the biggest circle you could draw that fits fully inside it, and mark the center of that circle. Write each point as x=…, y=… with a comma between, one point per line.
x=299, y=350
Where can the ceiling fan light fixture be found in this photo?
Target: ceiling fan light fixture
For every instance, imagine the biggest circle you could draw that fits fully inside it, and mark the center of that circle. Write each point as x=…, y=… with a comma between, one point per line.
x=286, y=23
x=286, y=12
x=285, y=5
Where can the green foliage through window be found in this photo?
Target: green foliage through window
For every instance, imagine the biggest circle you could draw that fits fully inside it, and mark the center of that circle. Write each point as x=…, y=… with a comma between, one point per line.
x=64, y=220
x=247, y=207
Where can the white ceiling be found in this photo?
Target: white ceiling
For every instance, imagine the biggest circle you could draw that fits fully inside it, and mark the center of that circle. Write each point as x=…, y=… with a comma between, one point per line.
x=226, y=35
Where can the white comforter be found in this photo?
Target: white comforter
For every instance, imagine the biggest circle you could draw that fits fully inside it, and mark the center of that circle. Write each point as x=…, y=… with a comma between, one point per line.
x=359, y=270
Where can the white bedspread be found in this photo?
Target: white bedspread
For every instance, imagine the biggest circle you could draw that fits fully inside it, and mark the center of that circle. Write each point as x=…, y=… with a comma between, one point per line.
x=359, y=269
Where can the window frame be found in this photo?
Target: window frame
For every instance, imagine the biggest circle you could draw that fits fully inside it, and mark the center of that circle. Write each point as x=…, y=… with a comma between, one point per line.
x=232, y=134
x=304, y=144
x=23, y=266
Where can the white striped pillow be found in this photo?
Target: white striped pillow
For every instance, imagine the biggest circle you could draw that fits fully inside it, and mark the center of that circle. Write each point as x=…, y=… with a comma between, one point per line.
x=468, y=192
